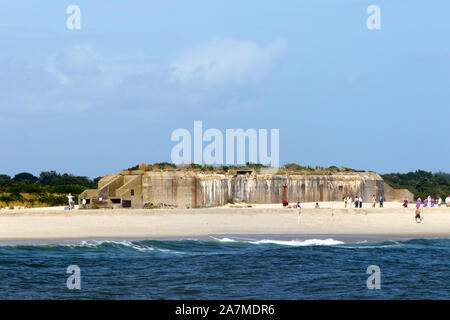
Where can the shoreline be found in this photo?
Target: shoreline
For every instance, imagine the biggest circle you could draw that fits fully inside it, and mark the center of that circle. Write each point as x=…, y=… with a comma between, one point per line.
x=346, y=239
x=127, y=224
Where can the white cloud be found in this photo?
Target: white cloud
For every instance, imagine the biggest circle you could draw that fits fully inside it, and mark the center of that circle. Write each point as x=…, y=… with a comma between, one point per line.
x=220, y=75
x=78, y=61
x=222, y=62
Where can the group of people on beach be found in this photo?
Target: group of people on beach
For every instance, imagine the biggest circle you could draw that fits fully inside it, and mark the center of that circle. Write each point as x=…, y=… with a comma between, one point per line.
x=431, y=202
x=348, y=202
x=72, y=202
x=286, y=204
x=419, y=216
x=441, y=203
x=358, y=202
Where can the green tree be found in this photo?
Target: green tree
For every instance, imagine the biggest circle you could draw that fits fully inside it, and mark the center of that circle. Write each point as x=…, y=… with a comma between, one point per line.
x=46, y=178
x=25, y=177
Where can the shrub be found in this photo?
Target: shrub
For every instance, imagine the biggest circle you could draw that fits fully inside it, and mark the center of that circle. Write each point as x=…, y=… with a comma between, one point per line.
x=40, y=205
x=165, y=165
x=230, y=200
x=255, y=165
x=16, y=204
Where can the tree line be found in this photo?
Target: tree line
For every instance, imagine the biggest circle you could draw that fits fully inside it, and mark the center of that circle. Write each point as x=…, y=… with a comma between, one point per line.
x=421, y=183
x=49, y=188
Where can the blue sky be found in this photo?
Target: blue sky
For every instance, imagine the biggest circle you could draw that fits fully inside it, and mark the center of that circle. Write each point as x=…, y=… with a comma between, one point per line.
x=108, y=96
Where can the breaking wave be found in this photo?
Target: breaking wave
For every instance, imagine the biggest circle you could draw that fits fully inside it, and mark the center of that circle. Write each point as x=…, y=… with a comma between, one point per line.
x=300, y=243
x=294, y=243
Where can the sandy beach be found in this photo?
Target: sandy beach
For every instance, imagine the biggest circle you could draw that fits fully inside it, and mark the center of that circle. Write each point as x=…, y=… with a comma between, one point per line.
x=331, y=219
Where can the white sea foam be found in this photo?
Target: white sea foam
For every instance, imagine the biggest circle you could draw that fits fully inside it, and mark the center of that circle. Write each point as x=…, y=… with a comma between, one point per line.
x=300, y=243
x=225, y=240
x=135, y=246
x=98, y=243
x=294, y=243
x=128, y=244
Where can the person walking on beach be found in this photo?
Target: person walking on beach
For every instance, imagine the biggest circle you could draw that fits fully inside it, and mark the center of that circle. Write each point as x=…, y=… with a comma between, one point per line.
x=381, y=201
x=405, y=203
x=440, y=202
x=360, y=202
x=71, y=202
x=447, y=201
x=345, y=202
x=349, y=202
x=356, y=203
x=418, y=218
x=299, y=207
x=374, y=201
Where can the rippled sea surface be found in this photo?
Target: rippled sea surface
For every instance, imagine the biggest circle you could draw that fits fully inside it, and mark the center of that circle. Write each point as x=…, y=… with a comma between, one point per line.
x=222, y=267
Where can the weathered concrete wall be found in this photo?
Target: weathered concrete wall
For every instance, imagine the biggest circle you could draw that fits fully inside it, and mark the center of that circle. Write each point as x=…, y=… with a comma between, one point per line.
x=108, y=189
x=106, y=180
x=132, y=191
x=194, y=189
x=392, y=194
x=169, y=187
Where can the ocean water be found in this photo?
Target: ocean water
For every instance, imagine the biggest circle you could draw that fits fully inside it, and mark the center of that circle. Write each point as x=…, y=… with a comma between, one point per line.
x=228, y=267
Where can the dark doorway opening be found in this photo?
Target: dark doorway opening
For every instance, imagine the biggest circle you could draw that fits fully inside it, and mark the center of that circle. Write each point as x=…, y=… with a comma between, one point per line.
x=126, y=204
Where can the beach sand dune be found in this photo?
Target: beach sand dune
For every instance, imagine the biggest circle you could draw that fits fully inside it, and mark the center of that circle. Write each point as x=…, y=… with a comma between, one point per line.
x=392, y=221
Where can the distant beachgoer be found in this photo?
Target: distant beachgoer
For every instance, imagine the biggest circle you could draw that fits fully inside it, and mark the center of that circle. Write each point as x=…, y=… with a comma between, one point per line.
x=418, y=217
x=447, y=201
x=418, y=203
x=440, y=202
x=83, y=202
x=285, y=203
x=345, y=202
x=350, y=202
x=356, y=202
x=317, y=205
x=405, y=203
x=381, y=201
x=360, y=202
x=71, y=202
x=374, y=201
x=299, y=207
x=427, y=202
